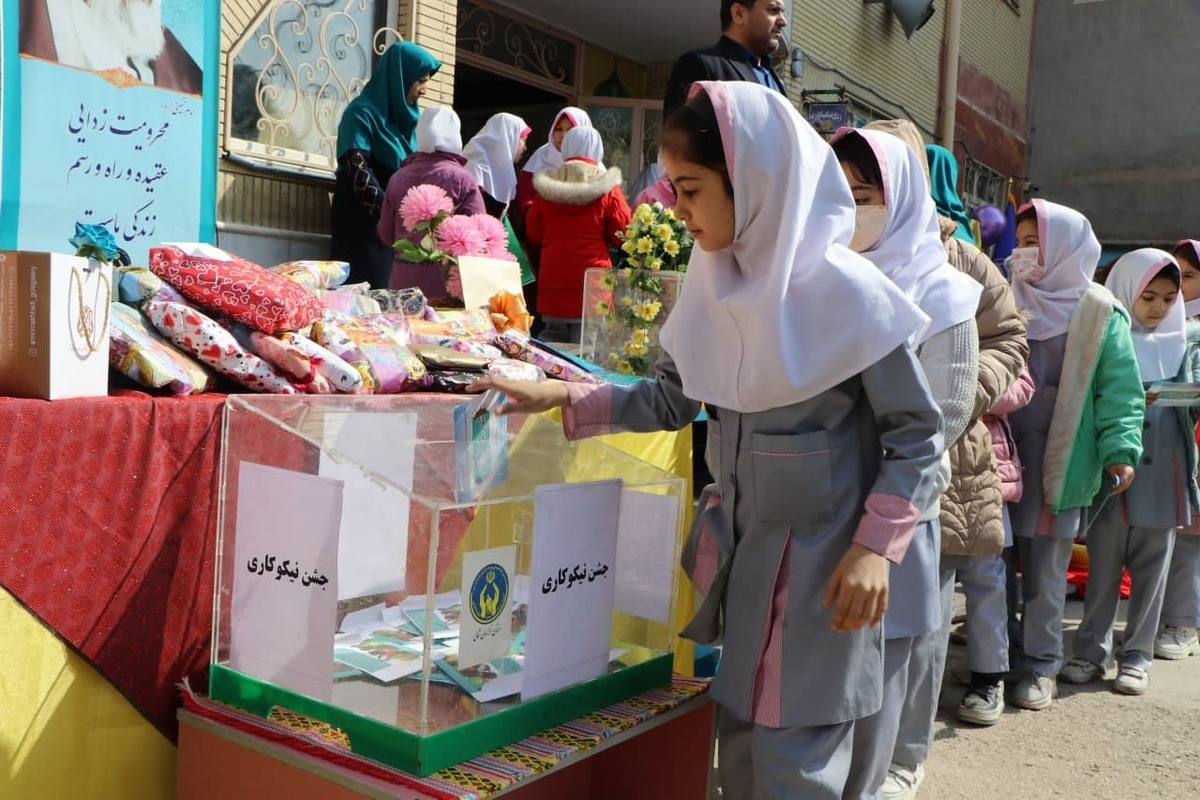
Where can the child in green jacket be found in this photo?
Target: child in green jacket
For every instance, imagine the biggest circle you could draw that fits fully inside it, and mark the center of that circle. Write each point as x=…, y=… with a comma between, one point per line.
x=1085, y=422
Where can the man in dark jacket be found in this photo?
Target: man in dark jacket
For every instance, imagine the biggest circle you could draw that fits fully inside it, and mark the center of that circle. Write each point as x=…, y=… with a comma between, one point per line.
x=750, y=33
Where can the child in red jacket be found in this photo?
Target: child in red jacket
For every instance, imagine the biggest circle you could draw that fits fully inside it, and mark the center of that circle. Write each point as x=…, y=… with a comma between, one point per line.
x=575, y=217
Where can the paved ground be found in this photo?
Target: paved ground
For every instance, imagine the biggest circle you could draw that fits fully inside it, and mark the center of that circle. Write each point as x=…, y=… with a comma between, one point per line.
x=1092, y=744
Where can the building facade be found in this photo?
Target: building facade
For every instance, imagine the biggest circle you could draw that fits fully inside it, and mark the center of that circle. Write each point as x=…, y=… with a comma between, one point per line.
x=1099, y=69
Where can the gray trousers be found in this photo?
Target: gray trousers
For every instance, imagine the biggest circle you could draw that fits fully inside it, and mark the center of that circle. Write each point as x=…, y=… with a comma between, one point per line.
x=1181, y=603
x=760, y=763
x=902, y=731
x=1147, y=554
x=983, y=582
x=1044, y=561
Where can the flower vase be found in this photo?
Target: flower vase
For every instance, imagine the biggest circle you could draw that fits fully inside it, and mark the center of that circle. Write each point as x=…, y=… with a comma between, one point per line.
x=623, y=312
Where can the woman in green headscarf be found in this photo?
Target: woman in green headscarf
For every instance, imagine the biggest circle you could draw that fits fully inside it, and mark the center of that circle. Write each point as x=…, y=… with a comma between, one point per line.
x=376, y=133
x=943, y=184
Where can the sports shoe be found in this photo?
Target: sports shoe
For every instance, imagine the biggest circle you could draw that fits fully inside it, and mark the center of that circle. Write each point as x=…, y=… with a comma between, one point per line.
x=1080, y=671
x=982, y=704
x=1035, y=692
x=903, y=782
x=1131, y=680
x=1174, y=643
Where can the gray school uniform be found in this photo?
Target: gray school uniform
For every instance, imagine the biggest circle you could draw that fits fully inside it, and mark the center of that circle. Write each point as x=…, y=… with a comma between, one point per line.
x=1136, y=530
x=1043, y=540
x=1181, y=603
x=1031, y=427
x=793, y=483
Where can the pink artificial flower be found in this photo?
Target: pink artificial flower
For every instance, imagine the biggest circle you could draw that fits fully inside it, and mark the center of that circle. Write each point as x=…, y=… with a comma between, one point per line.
x=458, y=235
x=493, y=231
x=501, y=253
x=423, y=203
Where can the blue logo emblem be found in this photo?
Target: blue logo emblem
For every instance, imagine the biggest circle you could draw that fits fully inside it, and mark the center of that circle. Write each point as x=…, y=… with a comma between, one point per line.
x=489, y=594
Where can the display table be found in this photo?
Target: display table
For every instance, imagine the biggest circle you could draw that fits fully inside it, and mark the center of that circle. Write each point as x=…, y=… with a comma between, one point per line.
x=106, y=572
x=656, y=745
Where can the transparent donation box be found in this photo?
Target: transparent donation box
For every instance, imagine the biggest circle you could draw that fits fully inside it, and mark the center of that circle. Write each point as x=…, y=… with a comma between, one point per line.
x=434, y=580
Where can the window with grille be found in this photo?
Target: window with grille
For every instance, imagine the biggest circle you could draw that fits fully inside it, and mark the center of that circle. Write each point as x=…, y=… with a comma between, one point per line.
x=292, y=73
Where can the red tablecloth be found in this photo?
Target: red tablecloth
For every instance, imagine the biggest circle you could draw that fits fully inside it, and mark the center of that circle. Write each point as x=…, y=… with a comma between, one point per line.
x=106, y=533
x=108, y=530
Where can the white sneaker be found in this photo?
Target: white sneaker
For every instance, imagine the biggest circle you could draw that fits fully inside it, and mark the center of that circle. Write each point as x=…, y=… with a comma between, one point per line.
x=1174, y=643
x=1131, y=680
x=903, y=782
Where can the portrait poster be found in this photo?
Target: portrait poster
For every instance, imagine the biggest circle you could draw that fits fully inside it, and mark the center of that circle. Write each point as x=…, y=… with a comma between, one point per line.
x=108, y=117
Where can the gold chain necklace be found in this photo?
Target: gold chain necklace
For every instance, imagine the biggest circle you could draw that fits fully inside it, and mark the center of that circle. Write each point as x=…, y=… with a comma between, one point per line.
x=85, y=325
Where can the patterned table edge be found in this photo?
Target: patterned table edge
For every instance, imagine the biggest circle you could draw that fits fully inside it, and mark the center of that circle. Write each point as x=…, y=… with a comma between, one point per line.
x=477, y=778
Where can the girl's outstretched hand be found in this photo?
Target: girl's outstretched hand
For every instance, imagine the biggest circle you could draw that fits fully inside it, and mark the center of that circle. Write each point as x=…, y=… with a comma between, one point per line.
x=525, y=397
x=858, y=590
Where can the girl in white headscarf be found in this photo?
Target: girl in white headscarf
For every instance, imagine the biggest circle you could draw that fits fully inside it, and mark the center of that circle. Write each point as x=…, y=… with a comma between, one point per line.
x=439, y=161
x=1081, y=435
x=823, y=436
x=898, y=231
x=492, y=155
x=1181, y=606
x=1136, y=531
x=548, y=156
x=574, y=220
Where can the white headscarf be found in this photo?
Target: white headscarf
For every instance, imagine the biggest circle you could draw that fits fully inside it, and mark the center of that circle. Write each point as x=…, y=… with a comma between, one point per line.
x=1070, y=253
x=547, y=156
x=910, y=251
x=439, y=131
x=490, y=155
x=1191, y=308
x=1160, y=350
x=788, y=310
x=583, y=144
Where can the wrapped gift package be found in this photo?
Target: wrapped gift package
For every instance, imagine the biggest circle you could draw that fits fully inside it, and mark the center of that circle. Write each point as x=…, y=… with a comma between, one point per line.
x=433, y=579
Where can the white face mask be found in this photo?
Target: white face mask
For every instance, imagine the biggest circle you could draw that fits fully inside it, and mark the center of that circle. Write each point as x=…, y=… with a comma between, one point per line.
x=1023, y=265
x=869, y=223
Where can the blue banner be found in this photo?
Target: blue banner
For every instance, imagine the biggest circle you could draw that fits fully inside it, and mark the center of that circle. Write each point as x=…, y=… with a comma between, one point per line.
x=109, y=117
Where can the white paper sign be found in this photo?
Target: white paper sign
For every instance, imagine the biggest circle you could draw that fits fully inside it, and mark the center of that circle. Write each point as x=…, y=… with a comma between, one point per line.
x=284, y=603
x=483, y=278
x=573, y=580
x=646, y=554
x=373, y=551
x=487, y=590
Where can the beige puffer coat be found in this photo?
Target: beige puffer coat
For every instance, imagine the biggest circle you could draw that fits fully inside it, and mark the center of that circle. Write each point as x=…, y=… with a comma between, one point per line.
x=971, y=508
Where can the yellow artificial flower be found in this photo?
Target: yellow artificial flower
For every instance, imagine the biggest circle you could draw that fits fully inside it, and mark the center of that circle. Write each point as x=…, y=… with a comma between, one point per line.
x=670, y=213
x=644, y=245
x=633, y=349
x=672, y=247
x=664, y=231
x=640, y=336
x=624, y=368
x=644, y=215
x=626, y=301
x=603, y=308
x=647, y=310
x=608, y=281
x=613, y=358
x=655, y=265
x=629, y=246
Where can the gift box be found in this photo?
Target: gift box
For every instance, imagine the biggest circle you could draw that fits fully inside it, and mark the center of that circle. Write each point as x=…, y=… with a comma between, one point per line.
x=54, y=325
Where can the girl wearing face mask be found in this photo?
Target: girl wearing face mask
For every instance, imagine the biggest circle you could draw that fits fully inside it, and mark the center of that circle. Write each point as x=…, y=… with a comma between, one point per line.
x=825, y=449
x=1081, y=435
x=1181, y=606
x=1137, y=530
x=899, y=232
